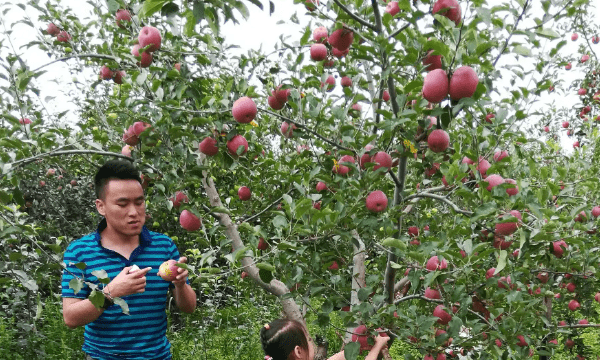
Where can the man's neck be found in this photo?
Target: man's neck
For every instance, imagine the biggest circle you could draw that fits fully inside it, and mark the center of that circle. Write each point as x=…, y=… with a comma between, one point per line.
x=111, y=238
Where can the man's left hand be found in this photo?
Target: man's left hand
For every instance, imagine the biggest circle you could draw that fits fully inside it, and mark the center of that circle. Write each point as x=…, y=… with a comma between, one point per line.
x=183, y=274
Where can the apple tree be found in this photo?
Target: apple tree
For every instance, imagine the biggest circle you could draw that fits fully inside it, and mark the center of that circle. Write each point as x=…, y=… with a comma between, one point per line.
x=400, y=161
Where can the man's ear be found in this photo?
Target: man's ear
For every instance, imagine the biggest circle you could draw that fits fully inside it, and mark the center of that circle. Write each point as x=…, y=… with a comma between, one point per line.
x=100, y=207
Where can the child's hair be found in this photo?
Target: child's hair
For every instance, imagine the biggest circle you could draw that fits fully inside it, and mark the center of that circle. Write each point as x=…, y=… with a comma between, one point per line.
x=281, y=336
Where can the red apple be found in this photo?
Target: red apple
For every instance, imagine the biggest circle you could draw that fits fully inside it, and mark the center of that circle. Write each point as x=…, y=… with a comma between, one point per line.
x=321, y=186
x=490, y=273
x=543, y=277
x=568, y=66
x=571, y=287
x=432, y=294
x=122, y=17
x=570, y=343
x=596, y=211
x=262, y=244
x=244, y=193
x=376, y=201
x=511, y=191
x=52, y=29
x=234, y=144
x=434, y=264
x=168, y=270
x=382, y=159
x=392, y=8
x=432, y=62
x=208, y=146
x=287, y=130
x=149, y=36
x=318, y=52
x=343, y=169
x=443, y=316
x=179, y=198
x=506, y=229
x=493, y=181
x=189, y=221
x=449, y=9
x=320, y=34
x=438, y=140
x=311, y=5
x=146, y=58
x=244, y=110
x=574, y=37
x=341, y=39
x=274, y=103
x=435, y=86
x=334, y=266
x=126, y=150
x=118, y=76
x=386, y=96
x=522, y=342
x=413, y=231
x=584, y=58
x=463, y=83
x=63, y=36
x=365, y=158
x=500, y=154
x=330, y=82
x=346, y=81
x=25, y=121
x=573, y=305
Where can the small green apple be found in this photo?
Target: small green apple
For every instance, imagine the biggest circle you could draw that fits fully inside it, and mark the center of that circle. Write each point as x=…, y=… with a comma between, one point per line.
x=156, y=224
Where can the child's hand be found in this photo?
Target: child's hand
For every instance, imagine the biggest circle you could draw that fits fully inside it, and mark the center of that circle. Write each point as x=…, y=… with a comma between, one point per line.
x=382, y=339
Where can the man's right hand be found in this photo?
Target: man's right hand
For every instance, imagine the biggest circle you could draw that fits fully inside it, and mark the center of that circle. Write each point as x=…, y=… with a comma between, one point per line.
x=128, y=283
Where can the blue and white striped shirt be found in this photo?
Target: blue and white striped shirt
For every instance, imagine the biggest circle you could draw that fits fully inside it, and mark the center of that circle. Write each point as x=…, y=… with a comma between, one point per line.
x=114, y=335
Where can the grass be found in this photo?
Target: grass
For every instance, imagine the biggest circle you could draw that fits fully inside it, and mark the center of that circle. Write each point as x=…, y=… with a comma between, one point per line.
x=230, y=333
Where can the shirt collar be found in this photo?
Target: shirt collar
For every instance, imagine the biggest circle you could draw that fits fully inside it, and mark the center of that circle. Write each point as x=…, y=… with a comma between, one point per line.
x=144, y=235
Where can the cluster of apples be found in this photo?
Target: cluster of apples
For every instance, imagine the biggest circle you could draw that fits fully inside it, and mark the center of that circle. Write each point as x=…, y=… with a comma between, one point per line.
x=107, y=74
x=61, y=35
x=340, y=41
x=244, y=111
x=278, y=98
x=462, y=84
x=149, y=40
x=133, y=133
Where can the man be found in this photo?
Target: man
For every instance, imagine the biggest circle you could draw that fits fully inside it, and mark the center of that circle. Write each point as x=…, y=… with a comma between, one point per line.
x=120, y=242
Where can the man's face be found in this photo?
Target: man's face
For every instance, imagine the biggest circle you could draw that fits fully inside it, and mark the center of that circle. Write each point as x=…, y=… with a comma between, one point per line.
x=123, y=206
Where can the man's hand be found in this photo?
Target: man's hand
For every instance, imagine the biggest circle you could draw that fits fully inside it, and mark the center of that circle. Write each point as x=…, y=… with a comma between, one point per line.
x=128, y=283
x=182, y=273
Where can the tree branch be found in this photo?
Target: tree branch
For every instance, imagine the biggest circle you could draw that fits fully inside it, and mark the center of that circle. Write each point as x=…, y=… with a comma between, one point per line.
x=355, y=16
x=275, y=287
x=404, y=27
x=250, y=218
x=98, y=56
x=26, y=161
x=307, y=129
x=440, y=198
x=512, y=32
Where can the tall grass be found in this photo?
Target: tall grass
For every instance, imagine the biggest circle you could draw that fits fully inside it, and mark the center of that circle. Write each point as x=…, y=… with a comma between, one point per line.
x=230, y=333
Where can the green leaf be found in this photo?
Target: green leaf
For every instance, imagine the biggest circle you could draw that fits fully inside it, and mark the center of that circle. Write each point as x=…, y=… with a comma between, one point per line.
x=113, y=5
x=265, y=266
x=521, y=50
x=547, y=33
x=76, y=284
x=151, y=6
x=280, y=221
x=221, y=209
x=265, y=275
x=351, y=351
x=123, y=305
x=397, y=243
x=483, y=211
x=501, y=261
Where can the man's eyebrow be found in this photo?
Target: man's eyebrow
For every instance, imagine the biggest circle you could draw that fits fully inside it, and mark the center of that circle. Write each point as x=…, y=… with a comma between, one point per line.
x=125, y=199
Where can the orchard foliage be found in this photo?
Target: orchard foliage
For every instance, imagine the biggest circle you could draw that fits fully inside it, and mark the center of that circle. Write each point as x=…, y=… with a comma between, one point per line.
x=302, y=128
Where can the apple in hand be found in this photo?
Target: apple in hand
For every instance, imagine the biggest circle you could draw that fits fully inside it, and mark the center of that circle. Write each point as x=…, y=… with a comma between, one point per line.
x=168, y=270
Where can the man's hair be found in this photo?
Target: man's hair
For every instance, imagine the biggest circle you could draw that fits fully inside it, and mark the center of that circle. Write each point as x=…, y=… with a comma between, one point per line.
x=114, y=169
x=281, y=338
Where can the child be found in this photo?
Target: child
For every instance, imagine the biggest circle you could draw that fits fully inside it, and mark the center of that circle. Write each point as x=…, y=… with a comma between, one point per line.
x=289, y=340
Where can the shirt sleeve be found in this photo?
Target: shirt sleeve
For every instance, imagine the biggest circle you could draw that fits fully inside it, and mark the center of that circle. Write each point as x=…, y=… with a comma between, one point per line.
x=73, y=275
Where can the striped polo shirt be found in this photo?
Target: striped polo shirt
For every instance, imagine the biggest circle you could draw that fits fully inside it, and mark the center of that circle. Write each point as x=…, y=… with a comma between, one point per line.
x=114, y=335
